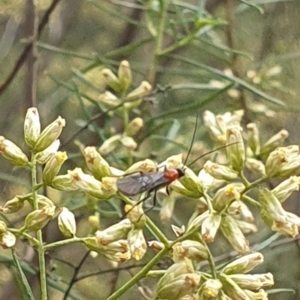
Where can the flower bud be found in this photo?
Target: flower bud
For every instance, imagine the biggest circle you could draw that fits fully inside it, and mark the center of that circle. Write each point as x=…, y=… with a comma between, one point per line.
x=234, y=235
x=266, y=217
x=178, y=281
x=277, y=158
x=38, y=219
x=3, y=228
x=275, y=141
x=134, y=127
x=156, y=245
x=113, y=233
x=178, y=231
x=253, y=138
x=225, y=196
x=290, y=227
x=67, y=223
x=32, y=127
x=271, y=205
x=110, y=144
x=143, y=90
x=85, y=182
x=210, y=227
x=144, y=166
x=284, y=162
x=286, y=188
x=293, y=218
x=7, y=240
x=137, y=243
x=247, y=228
x=217, y=125
x=128, y=142
x=190, y=249
x=210, y=289
x=111, y=80
x=232, y=289
x=179, y=188
x=167, y=208
x=43, y=202
x=220, y=172
x=235, y=147
x=260, y=295
x=44, y=156
x=255, y=166
x=234, y=93
x=210, y=122
x=64, y=183
x=124, y=74
x=244, y=264
x=136, y=215
x=192, y=183
x=115, y=251
x=49, y=134
x=109, y=99
x=109, y=186
x=206, y=180
x=94, y=222
x=12, y=152
x=12, y=206
x=96, y=163
x=53, y=166
x=245, y=212
x=198, y=221
x=90, y=185
x=252, y=282
x=172, y=162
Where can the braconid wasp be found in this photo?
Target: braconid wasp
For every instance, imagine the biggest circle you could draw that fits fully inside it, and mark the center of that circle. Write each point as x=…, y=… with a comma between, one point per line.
x=139, y=183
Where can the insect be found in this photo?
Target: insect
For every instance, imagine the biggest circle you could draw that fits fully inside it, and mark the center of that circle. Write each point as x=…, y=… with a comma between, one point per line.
x=152, y=182
x=148, y=182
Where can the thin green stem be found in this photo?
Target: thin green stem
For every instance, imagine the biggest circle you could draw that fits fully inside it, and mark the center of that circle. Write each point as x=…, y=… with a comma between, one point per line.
x=27, y=236
x=210, y=259
x=157, y=232
x=244, y=179
x=183, y=42
x=38, y=186
x=251, y=201
x=40, y=248
x=158, y=41
x=208, y=202
x=141, y=274
x=63, y=243
x=254, y=184
x=152, y=227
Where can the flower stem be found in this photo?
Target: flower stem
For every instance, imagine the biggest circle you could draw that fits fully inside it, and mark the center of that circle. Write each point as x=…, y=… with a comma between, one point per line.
x=40, y=248
x=139, y=275
x=63, y=242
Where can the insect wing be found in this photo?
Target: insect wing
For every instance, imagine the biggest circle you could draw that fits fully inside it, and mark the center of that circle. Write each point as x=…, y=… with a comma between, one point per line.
x=138, y=184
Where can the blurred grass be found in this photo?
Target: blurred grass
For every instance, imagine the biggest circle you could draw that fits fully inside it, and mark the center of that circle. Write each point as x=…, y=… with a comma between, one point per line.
x=83, y=39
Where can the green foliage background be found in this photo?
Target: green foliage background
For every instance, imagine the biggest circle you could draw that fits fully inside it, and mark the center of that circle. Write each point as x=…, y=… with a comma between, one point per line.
x=83, y=37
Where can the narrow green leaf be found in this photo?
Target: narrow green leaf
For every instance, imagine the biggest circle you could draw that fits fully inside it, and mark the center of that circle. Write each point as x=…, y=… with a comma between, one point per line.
x=233, y=79
x=192, y=106
x=26, y=290
x=51, y=48
x=252, y=5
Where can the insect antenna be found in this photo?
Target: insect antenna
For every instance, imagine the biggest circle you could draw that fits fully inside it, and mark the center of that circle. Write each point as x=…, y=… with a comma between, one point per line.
x=202, y=155
x=193, y=139
x=211, y=151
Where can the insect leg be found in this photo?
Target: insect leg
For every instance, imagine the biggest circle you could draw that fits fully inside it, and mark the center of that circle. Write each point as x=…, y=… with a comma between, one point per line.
x=153, y=202
x=136, y=204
